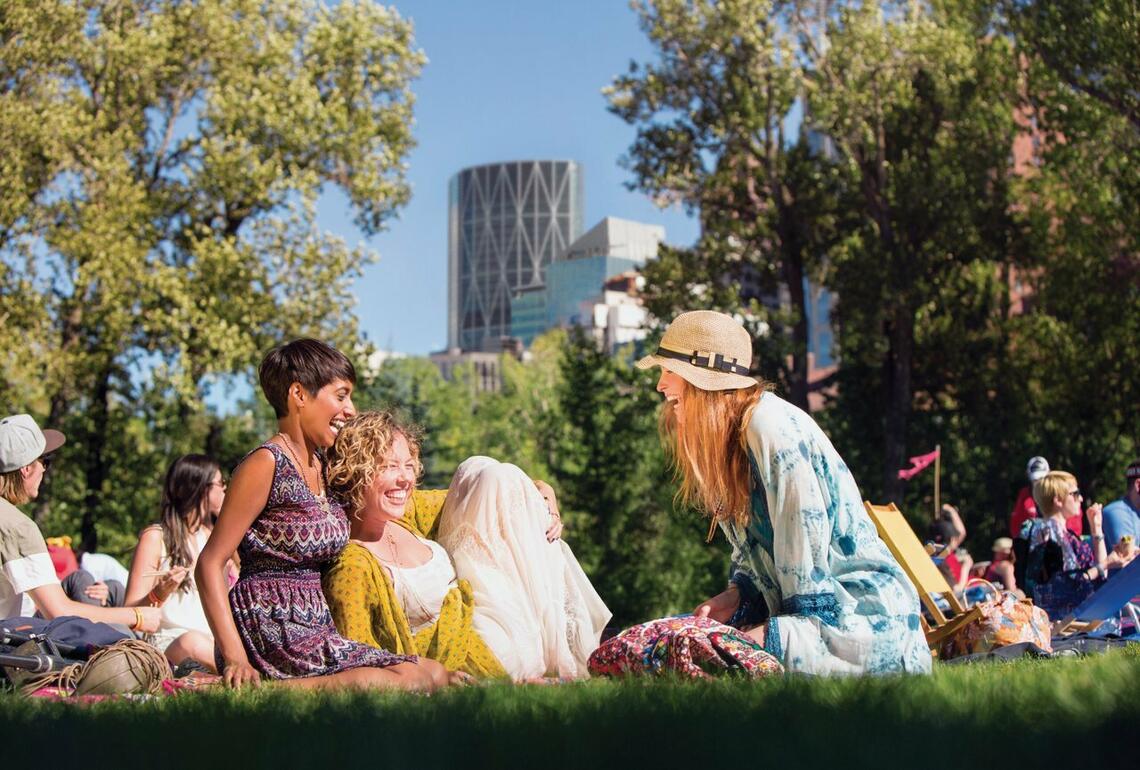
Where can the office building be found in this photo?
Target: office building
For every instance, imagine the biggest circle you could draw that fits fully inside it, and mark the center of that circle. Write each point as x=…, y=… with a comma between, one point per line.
x=507, y=223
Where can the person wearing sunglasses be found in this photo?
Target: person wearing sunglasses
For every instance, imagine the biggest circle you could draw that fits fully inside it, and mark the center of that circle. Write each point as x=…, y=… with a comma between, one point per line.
x=167, y=553
x=1062, y=568
x=28, y=581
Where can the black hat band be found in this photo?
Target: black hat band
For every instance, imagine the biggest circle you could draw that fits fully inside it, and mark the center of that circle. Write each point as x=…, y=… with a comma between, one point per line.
x=706, y=359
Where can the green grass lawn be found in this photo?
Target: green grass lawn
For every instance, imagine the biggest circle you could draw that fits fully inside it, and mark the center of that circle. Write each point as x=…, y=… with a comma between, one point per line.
x=1053, y=713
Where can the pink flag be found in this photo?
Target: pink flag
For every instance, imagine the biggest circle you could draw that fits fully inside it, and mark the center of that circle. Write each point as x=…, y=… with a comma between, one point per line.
x=918, y=464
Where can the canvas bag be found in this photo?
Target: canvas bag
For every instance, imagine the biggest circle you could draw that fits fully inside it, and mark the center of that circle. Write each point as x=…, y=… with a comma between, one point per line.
x=1005, y=620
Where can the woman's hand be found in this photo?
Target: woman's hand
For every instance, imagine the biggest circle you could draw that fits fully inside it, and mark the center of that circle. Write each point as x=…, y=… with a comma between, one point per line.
x=461, y=678
x=1093, y=514
x=99, y=592
x=151, y=619
x=721, y=607
x=1115, y=559
x=238, y=673
x=554, y=531
x=169, y=582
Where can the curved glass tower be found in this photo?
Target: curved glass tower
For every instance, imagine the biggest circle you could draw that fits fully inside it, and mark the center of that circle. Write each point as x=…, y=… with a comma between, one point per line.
x=506, y=223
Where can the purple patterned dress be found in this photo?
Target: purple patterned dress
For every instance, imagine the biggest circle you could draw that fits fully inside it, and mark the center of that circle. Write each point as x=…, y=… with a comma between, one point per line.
x=279, y=610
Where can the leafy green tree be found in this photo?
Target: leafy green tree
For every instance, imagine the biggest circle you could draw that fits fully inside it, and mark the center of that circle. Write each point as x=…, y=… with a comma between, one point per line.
x=919, y=105
x=616, y=494
x=1090, y=47
x=1078, y=344
x=712, y=116
x=162, y=160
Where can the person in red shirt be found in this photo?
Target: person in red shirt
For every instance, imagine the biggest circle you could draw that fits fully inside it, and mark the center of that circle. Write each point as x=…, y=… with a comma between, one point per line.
x=947, y=533
x=1025, y=509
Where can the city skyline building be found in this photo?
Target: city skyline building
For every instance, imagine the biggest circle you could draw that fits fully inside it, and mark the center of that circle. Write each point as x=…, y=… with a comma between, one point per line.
x=507, y=222
x=610, y=248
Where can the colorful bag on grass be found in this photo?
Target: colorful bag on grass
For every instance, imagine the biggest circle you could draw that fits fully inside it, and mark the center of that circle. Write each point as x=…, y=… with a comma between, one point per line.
x=1005, y=620
x=687, y=645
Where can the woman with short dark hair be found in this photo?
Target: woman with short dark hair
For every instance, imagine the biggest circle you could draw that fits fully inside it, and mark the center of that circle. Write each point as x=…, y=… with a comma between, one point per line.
x=286, y=529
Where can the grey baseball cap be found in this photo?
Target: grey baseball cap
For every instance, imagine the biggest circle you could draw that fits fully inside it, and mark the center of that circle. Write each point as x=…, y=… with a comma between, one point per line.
x=1036, y=468
x=22, y=442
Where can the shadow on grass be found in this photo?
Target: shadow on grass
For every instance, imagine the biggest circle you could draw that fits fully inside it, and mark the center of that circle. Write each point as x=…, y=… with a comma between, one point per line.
x=1049, y=713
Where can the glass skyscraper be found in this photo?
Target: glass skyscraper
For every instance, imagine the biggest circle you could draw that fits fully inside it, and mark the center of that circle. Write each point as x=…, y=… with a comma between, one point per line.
x=507, y=222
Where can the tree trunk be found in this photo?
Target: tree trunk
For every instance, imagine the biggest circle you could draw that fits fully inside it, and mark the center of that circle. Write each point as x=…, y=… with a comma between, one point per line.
x=59, y=407
x=94, y=462
x=69, y=342
x=794, y=277
x=897, y=396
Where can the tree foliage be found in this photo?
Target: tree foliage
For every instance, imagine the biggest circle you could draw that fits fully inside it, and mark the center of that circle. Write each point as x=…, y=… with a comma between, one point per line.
x=712, y=116
x=162, y=161
x=1090, y=47
x=984, y=302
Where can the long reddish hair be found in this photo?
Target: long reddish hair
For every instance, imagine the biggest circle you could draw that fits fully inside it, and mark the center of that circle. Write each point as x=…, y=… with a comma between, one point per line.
x=707, y=449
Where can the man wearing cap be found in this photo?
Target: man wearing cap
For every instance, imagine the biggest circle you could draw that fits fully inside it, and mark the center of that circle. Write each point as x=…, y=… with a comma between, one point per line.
x=28, y=580
x=1025, y=509
x=1122, y=517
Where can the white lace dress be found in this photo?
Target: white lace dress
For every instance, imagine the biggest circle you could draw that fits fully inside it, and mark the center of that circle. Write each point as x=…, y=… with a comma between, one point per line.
x=534, y=606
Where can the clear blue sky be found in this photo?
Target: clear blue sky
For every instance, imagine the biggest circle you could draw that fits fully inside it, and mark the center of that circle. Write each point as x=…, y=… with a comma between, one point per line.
x=504, y=81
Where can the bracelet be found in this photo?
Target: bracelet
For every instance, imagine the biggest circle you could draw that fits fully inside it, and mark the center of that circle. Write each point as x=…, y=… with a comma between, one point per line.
x=153, y=600
x=1098, y=538
x=138, y=619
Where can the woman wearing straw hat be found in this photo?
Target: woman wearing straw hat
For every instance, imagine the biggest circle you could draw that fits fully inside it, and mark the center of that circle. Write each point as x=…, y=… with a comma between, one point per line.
x=810, y=575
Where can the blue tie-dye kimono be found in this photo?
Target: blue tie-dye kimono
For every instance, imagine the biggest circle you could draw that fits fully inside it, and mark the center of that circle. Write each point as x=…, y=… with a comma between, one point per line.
x=838, y=600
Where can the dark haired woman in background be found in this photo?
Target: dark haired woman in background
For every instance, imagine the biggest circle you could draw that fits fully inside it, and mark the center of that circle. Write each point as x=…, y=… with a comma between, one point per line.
x=167, y=553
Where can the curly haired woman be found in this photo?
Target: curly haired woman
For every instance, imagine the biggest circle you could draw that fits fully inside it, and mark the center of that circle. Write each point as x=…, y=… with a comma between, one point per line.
x=499, y=593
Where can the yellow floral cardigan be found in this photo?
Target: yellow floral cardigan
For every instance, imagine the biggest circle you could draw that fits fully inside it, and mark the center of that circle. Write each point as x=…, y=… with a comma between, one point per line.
x=364, y=606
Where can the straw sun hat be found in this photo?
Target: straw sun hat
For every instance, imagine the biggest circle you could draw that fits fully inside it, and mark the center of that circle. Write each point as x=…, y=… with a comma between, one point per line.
x=710, y=350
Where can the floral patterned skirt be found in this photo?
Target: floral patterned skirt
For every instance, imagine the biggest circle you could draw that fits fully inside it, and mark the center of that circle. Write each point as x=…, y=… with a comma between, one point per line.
x=687, y=645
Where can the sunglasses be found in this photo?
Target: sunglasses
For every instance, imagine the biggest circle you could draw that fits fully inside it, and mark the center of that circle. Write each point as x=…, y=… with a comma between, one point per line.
x=46, y=462
x=1077, y=494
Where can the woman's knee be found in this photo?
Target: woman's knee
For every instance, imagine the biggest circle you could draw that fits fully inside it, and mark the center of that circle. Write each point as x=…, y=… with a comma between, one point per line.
x=192, y=644
x=435, y=671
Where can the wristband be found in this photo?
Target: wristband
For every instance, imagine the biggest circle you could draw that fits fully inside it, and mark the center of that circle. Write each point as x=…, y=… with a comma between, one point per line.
x=138, y=619
x=153, y=600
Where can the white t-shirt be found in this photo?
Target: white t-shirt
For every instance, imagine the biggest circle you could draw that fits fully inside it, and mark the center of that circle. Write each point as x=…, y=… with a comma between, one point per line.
x=24, y=562
x=103, y=568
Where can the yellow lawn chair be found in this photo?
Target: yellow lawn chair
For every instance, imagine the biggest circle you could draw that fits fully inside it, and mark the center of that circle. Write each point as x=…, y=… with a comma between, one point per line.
x=923, y=573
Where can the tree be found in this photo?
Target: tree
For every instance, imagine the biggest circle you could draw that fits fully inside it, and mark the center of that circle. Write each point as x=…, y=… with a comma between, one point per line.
x=610, y=471
x=712, y=116
x=1091, y=47
x=919, y=105
x=915, y=107
x=517, y=424
x=1078, y=343
x=162, y=162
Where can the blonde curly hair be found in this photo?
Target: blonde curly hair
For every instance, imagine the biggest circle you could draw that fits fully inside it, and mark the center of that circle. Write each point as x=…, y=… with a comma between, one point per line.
x=360, y=445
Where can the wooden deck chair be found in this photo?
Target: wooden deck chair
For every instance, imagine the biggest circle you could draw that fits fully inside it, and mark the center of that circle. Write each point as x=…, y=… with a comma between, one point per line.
x=920, y=568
